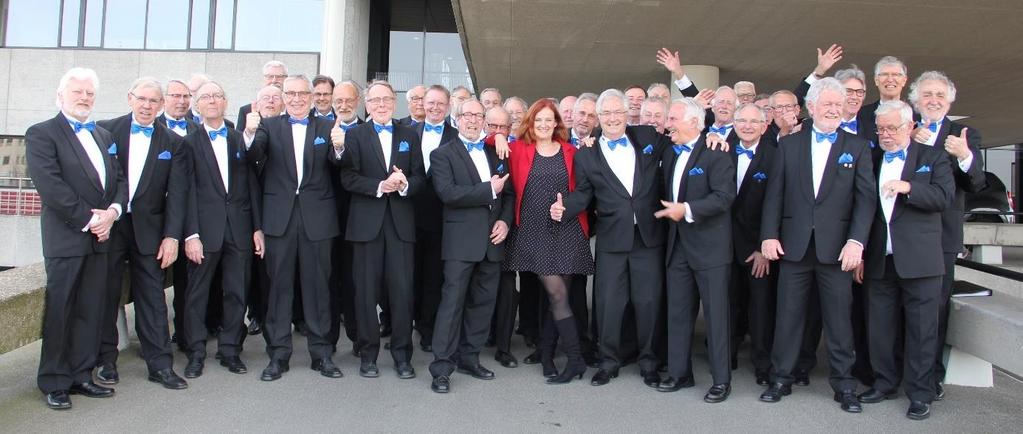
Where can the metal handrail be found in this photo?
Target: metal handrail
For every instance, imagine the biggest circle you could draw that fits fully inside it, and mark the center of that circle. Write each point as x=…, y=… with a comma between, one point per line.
x=990, y=269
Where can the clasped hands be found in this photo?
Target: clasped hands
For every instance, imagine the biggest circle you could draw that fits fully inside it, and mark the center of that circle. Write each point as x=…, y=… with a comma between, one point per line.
x=395, y=182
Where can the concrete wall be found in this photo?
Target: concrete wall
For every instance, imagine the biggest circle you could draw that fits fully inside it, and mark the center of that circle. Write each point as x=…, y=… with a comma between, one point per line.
x=20, y=243
x=31, y=77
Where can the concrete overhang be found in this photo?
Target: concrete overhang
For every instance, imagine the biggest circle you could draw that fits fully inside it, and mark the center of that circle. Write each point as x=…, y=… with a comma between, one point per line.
x=538, y=48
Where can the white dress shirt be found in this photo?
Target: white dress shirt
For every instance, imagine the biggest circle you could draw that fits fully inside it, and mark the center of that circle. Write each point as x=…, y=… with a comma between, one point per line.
x=889, y=171
x=742, y=165
x=220, y=152
x=138, y=151
x=622, y=160
x=430, y=143
x=479, y=159
x=819, y=151
x=177, y=129
x=679, y=173
x=298, y=137
x=385, y=144
x=92, y=149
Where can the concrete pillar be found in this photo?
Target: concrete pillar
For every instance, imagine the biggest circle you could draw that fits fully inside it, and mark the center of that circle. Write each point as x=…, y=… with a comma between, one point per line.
x=345, y=39
x=703, y=76
x=988, y=254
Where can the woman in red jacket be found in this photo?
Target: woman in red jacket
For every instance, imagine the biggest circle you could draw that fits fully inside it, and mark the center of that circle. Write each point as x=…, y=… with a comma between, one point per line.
x=541, y=172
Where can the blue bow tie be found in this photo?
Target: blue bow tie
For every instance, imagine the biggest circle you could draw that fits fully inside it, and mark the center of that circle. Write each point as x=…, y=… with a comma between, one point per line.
x=469, y=146
x=511, y=139
x=722, y=131
x=621, y=141
x=197, y=119
x=78, y=126
x=221, y=132
x=346, y=127
x=303, y=121
x=328, y=115
x=575, y=141
x=146, y=131
x=680, y=148
x=851, y=125
x=183, y=124
x=380, y=128
x=413, y=122
x=889, y=156
x=439, y=129
x=933, y=126
x=830, y=137
x=739, y=150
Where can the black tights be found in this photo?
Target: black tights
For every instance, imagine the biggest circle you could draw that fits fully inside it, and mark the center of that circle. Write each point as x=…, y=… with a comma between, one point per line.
x=557, y=294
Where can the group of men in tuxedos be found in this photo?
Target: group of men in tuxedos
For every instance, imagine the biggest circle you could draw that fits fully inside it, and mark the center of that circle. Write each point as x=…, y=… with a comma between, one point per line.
x=305, y=214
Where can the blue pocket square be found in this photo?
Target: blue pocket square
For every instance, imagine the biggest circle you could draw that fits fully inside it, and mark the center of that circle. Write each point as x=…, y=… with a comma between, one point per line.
x=165, y=155
x=649, y=149
x=112, y=150
x=760, y=176
x=237, y=155
x=872, y=144
x=319, y=141
x=924, y=169
x=845, y=158
x=500, y=168
x=695, y=171
x=403, y=146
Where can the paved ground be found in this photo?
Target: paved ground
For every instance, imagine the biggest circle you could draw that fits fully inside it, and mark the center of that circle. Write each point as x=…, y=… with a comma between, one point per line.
x=517, y=401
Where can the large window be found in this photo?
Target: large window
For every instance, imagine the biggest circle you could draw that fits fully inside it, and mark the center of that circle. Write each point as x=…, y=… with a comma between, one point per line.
x=244, y=25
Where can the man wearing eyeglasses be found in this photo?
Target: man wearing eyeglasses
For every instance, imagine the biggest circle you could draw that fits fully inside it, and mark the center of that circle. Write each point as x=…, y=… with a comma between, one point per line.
x=299, y=220
x=323, y=93
x=274, y=73
x=416, y=111
x=433, y=133
x=382, y=169
x=155, y=163
x=222, y=232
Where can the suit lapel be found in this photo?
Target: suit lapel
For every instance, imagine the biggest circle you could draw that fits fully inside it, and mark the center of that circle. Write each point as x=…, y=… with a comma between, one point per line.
x=463, y=154
x=289, y=147
x=395, y=140
x=378, y=148
x=637, y=173
x=908, y=169
x=208, y=155
x=697, y=150
x=754, y=166
x=606, y=168
x=805, y=162
x=155, y=143
x=831, y=165
x=83, y=157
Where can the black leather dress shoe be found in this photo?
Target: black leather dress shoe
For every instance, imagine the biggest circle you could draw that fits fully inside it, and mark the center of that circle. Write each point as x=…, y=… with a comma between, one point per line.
x=254, y=328
x=775, y=391
x=802, y=379
x=369, y=370
x=194, y=368
x=505, y=359
x=91, y=390
x=274, y=370
x=234, y=364
x=651, y=378
x=918, y=410
x=441, y=384
x=404, y=370
x=718, y=393
x=763, y=379
x=532, y=359
x=107, y=374
x=672, y=384
x=326, y=368
x=477, y=371
x=168, y=379
x=58, y=400
x=939, y=392
x=874, y=396
x=849, y=402
x=603, y=377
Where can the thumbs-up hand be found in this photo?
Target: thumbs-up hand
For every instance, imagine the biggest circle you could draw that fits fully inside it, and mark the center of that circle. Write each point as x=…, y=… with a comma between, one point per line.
x=921, y=134
x=252, y=121
x=337, y=138
x=957, y=145
x=558, y=209
x=497, y=183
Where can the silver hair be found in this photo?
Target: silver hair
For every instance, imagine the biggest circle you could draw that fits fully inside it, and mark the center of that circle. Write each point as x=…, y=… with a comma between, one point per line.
x=914, y=89
x=146, y=83
x=776, y=93
x=274, y=64
x=264, y=88
x=457, y=110
x=760, y=110
x=352, y=84
x=175, y=80
x=693, y=110
x=718, y=92
x=298, y=77
x=408, y=93
x=518, y=100
x=610, y=93
x=656, y=86
x=852, y=72
x=904, y=110
x=376, y=83
x=653, y=100
x=78, y=73
x=585, y=96
x=827, y=83
x=490, y=89
x=745, y=83
x=888, y=61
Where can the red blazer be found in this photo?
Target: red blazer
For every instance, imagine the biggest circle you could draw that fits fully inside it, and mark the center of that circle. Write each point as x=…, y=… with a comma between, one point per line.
x=521, y=161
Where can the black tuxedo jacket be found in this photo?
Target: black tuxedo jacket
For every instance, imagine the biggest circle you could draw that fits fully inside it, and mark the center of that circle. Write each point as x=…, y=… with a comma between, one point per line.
x=843, y=209
x=161, y=198
x=273, y=144
x=747, y=210
x=189, y=129
x=470, y=209
x=212, y=209
x=362, y=170
x=596, y=183
x=343, y=198
x=243, y=111
x=429, y=209
x=407, y=122
x=971, y=181
x=708, y=240
x=69, y=186
x=916, y=218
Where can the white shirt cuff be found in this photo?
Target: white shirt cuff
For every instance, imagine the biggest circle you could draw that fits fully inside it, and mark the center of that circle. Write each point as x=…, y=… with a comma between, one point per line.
x=248, y=140
x=689, y=213
x=683, y=82
x=493, y=194
x=380, y=189
x=91, y=221
x=811, y=79
x=404, y=191
x=193, y=236
x=850, y=240
x=117, y=207
x=965, y=165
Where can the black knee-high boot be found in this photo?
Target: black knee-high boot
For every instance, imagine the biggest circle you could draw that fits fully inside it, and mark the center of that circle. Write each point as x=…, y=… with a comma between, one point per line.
x=548, y=343
x=575, y=367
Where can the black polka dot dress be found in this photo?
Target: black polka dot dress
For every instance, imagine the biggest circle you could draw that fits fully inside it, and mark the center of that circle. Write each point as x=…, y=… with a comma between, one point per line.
x=541, y=245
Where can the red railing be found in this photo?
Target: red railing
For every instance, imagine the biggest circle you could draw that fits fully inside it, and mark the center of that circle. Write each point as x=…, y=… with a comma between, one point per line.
x=18, y=197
